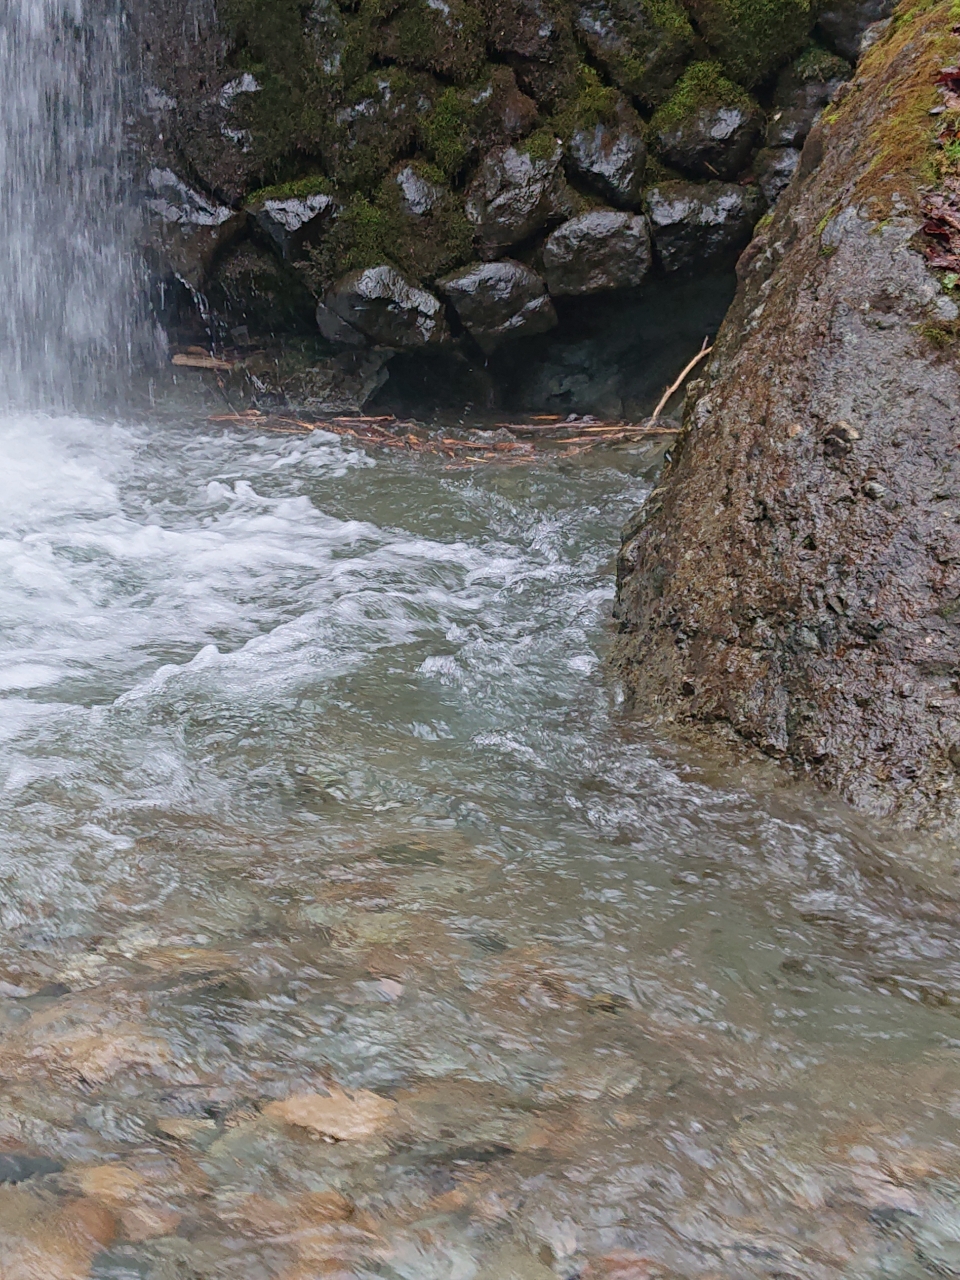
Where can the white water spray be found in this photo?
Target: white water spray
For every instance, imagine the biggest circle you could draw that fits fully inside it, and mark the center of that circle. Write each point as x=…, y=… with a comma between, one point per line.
x=68, y=284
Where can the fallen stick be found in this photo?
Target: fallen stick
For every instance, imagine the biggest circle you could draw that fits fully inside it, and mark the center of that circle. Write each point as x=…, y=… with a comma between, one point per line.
x=675, y=386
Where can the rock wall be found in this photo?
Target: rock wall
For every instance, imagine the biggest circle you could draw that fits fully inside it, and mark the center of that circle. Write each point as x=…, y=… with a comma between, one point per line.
x=409, y=175
x=796, y=576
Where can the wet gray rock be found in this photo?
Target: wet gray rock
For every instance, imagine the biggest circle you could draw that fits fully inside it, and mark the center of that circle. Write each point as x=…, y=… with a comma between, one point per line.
x=514, y=195
x=336, y=330
x=291, y=222
x=695, y=223
x=773, y=167
x=843, y=22
x=803, y=90
x=641, y=53
x=185, y=230
x=611, y=158
x=252, y=294
x=388, y=309
x=499, y=300
x=418, y=196
x=596, y=252
x=713, y=141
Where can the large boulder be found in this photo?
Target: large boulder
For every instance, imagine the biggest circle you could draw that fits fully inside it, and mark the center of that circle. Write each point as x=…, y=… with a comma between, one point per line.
x=611, y=157
x=803, y=89
x=596, y=252
x=795, y=579
x=463, y=122
x=696, y=223
x=252, y=294
x=186, y=229
x=445, y=38
x=499, y=300
x=289, y=221
x=516, y=193
x=641, y=44
x=751, y=39
x=709, y=125
x=389, y=309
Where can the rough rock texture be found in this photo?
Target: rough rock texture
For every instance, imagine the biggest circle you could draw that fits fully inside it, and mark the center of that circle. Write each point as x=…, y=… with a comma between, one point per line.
x=843, y=22
x=693, y=223
x=773, y=168
x=597, y=251
x=709, y=125
x=802, y=91
x=291, y=222
x=499, y=300
x=796, y=577
x=611, y=159
x=515, y=194
x=388, y=309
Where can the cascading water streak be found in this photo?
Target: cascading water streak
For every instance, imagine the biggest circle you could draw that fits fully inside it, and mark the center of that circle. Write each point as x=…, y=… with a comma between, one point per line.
x=67, y=273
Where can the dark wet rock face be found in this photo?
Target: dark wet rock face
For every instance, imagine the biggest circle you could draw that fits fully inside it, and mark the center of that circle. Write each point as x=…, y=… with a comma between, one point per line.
x=642, y=46
x=388, y=309
x=802, y=91
x=499, y=300
x=695, y=222
x=708, y=126
x=773, y=168
x=611, y=159
x=795, y=578
x=292, y=221
x=597, y=252
x=844, y=22
x=514, y=195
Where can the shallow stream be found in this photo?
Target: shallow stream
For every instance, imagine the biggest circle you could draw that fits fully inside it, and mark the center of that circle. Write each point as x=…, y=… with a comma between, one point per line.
x=351, y=929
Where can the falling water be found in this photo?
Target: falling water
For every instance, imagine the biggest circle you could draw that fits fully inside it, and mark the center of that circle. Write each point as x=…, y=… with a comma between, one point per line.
x=67, y=278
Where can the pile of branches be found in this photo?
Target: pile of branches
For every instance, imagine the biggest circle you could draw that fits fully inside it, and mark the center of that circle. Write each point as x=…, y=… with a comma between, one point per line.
x=504, y=442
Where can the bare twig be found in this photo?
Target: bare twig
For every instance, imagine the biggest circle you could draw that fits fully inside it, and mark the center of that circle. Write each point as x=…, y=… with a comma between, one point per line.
x=675, y=386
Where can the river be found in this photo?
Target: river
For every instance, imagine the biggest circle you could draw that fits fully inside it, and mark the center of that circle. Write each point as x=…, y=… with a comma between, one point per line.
x=352, y=929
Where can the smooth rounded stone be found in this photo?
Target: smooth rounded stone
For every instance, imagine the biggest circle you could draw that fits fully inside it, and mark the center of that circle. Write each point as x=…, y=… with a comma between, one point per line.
x=597, y=251
x=803, y=90
x=499, y=300
x=712, y=141
x=843, y=22
x=514, y=195
x=291, y=222
x=389, y=309
x=773, y=168
x=612, y=159
x=693, y=223
x=186, y=230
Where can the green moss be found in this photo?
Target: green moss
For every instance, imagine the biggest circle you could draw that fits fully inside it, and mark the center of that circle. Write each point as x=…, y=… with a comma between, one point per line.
x=314, y=185
x=376, y=124
x=703, y=84
x=641, y=44
x=448, y=130
x=448, y=40
x=753, y=37
x=817, y=63
x=541, y=144
x=370, y=232
x=594, y=103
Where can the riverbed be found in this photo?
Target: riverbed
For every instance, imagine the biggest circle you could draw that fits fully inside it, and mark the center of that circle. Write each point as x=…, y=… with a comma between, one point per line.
x=352, y=927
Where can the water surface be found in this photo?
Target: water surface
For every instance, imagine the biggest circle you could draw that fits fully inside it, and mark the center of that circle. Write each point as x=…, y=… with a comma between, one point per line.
x=312, y=780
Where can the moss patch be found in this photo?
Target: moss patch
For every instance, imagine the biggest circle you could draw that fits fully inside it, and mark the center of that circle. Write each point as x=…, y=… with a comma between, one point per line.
x=819, y=64
x=316, y=184
x=642, y=46
x=702, y=85
x=753, y=37
x=447, y=40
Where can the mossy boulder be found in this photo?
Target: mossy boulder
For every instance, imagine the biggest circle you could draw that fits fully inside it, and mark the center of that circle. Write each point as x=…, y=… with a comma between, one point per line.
x=536, y=37
x=446, y=38
x=461, y=123
x=752, y=38
x=254, y=295
x=641, y=44
x=708, y=125
x=414, y=223
x=375, y=124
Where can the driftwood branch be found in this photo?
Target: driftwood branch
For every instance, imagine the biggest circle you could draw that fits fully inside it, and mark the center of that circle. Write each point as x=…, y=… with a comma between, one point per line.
x=675, y=386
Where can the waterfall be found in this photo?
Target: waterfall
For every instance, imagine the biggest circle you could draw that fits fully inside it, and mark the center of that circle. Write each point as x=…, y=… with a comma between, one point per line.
x=68, y=284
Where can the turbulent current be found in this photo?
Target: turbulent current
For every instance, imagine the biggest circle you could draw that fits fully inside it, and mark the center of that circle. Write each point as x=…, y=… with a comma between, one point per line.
x=350, y=929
